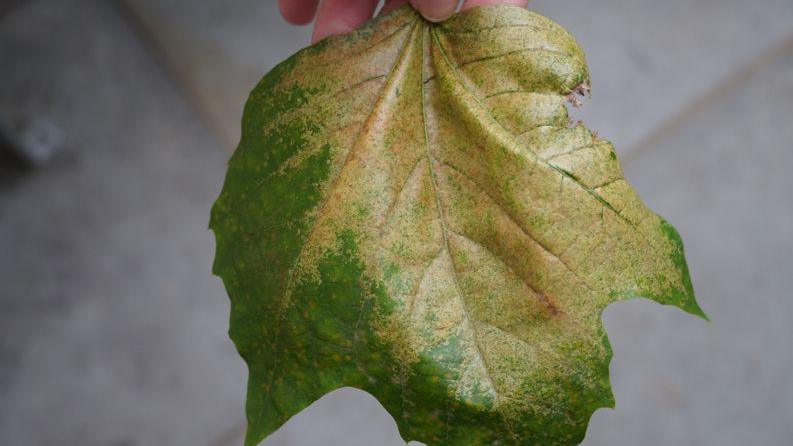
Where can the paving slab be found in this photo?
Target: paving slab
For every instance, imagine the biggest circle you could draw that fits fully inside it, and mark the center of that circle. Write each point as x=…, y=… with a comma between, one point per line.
x=218, y=50
x=112, y=329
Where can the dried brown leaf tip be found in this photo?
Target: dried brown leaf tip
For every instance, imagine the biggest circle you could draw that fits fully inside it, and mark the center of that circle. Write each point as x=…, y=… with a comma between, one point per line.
x=581, y=89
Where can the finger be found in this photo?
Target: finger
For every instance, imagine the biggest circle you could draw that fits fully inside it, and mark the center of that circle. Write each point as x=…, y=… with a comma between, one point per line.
x=391, y=5
x=298, y=12
x=341, y=16
x=468, y=4
x=435, y=10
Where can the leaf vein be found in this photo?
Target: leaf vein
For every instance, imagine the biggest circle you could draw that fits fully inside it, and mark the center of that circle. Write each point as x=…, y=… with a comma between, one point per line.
x=445, y=230
x=321, y=207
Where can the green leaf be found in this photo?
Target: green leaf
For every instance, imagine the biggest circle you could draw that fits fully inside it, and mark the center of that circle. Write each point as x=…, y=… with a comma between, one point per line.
x=410, y=213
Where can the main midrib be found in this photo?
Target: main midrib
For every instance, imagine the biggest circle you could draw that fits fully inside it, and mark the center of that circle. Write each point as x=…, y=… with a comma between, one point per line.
x=444, y=225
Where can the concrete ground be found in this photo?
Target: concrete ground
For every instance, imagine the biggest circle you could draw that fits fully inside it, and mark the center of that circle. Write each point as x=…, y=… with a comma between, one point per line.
x=113, y=331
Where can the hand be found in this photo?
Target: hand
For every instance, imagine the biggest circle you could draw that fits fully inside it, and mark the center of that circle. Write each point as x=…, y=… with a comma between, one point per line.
x=342, y=16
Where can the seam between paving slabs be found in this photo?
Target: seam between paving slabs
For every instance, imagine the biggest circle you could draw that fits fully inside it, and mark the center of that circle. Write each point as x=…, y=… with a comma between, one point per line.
x=733, y=81
x=187, y=88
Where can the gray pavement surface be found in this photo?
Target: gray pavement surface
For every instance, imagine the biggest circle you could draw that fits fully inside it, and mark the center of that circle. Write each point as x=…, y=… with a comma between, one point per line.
x=218, y=50
x=113, y=331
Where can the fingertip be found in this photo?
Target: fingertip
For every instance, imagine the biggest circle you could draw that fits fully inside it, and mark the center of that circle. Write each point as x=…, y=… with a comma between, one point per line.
x=298, y=12
x=341, y=16
x=390, y=5
x=435, y=10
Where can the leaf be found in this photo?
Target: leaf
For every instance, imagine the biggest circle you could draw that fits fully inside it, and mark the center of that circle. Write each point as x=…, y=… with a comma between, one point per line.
x=409, y=213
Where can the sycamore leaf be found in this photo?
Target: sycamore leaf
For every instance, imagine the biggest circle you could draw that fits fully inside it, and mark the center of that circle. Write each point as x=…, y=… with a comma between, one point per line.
x=410, y=213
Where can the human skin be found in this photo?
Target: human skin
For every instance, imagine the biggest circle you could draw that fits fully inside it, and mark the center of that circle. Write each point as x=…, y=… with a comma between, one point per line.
x=342, y=16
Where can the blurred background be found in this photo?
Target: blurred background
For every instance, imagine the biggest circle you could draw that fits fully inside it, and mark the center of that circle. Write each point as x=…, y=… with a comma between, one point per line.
x=117, y=120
